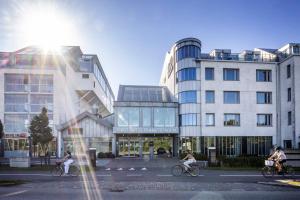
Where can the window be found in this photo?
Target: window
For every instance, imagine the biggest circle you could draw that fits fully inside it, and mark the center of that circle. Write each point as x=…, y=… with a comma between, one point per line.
x=231, y=97
x=209, y=96
x=296, y=49
x=264, y=119
x=231, y=74
x=188, y=97
x=209, y=74
x=288, y=71
x=231, y=119
x=164, y=117
x=188, y=51
x=210, y=119
x=289, y=93
x=263, y=97
x=263, y=75
x=287, y=144
x=186, y=74
x=188, y=119
x=128, y=117
x=16, y=102
x=146, y=117
x=289, y=118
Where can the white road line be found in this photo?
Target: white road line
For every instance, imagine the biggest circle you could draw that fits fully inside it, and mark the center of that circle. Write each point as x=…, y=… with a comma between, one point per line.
x=134, y=175
x=14, y=193
x=103, y=175
x=25, y=175
x=164, y=175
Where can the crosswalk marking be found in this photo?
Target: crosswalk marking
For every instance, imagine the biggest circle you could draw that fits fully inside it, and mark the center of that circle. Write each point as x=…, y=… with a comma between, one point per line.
x=131, y=169
x=107, y=169
x=120, y=169
x=144, y=169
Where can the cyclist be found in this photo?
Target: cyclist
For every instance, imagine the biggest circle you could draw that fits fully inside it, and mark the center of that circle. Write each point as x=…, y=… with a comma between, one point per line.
x=189, y=160
x=67, y=162
x=279, y=157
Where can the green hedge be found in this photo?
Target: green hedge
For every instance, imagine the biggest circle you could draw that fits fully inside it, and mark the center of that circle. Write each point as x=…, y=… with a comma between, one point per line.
x=198, y=156
x=106, y=155
x=242, y=161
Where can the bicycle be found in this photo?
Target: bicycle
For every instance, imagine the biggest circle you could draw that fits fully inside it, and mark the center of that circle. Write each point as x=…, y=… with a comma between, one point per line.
x=269, y=170
x=180, y=169
x=59, y=170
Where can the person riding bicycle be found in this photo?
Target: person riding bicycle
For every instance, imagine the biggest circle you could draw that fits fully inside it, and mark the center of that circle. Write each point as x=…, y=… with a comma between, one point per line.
x=190, y=159
x=279, y=157
x=68, y=161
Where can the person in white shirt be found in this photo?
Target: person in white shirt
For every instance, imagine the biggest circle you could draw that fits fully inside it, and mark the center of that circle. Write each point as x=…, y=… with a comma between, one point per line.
x=67, y=162
x=190, y=159
x=279, y=157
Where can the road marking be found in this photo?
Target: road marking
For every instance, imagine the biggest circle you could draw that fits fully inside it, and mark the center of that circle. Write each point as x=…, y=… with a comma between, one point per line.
x=134, y=174
x=14, y=193
x=144, y=169
x=164, y=175
x=120, y=169
x=25, y=175
x=107, y=169
x=131, y=169
x=103, y=175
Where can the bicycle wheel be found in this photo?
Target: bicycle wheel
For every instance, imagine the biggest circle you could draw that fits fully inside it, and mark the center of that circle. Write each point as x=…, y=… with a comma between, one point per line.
x=177, y=170
x=289, y=172
x=267, y=172
x=194, y=171
x=56, y=171
x=74, y=170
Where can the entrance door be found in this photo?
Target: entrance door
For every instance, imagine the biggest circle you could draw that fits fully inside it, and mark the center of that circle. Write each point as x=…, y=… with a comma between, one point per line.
x=129, y=146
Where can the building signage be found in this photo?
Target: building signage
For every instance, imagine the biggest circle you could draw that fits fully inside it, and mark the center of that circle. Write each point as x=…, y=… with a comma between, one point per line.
x=145, y=130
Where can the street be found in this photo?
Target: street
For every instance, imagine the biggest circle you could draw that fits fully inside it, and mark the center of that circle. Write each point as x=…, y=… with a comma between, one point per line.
x=151, y=183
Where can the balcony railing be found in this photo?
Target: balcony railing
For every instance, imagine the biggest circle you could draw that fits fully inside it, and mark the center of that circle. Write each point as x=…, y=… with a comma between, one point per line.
x=238, y=57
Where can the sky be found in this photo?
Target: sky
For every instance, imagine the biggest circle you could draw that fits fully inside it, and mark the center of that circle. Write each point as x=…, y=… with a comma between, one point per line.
x=131, y=37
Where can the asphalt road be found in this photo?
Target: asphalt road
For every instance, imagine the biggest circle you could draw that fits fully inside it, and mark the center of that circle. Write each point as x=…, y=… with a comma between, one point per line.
x=156, y=183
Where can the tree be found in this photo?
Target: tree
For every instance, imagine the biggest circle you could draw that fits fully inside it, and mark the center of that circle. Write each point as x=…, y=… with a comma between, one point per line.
x=1, y=139
x=40, y=131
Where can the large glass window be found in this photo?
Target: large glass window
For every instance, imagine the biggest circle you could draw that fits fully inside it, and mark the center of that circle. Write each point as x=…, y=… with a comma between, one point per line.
x=41, y=83
x=99, y=77
x=15, y=122
x=231, y=119
x=188, y=51
x=231, y=74
x=146, y=117
x=186, y=74
x=264, y=97
x=263, y=75
x=231, y=97
x=209, y=74
x=188, y=96
x=16, y=103
x=16, y=83
x=38, y=101
x=164, y=117
x=188, y=119
x=264, y=119
x=210, y=119
x=209, y=96
x=128, y=117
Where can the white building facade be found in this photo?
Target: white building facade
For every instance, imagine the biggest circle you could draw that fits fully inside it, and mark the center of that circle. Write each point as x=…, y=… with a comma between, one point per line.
x=236, y=103
x=65, y=81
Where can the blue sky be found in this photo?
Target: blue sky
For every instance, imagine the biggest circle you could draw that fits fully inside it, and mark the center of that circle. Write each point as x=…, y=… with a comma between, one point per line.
x=131, y=37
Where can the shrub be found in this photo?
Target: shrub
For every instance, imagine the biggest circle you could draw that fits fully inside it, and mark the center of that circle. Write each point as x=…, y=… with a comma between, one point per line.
x=242, y=161
x=106, y=155
x=198, y=156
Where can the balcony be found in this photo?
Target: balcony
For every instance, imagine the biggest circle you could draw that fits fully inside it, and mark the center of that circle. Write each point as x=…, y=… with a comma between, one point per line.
x=237, y=57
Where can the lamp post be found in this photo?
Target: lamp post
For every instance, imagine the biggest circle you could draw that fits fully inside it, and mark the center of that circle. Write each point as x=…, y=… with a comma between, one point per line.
x=30, y=146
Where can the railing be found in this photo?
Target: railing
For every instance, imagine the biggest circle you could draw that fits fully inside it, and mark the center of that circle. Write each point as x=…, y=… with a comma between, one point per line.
x=237, y=57
x=16, y=107
x=38, y=107
x=46, y=88
x=16, y=88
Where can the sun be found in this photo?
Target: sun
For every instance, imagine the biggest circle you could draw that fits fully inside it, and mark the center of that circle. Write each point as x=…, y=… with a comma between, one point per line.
x=45, y=27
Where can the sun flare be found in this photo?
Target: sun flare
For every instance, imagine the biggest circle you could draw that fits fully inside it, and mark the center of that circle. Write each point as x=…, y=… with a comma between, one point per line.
x=45, y=27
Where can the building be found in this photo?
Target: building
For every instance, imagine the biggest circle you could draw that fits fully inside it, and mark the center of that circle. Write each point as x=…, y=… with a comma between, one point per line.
x=69, y=83
x=238, y=103
x=145, y=116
